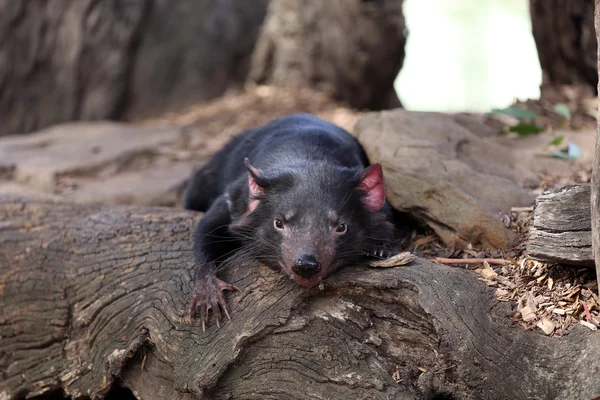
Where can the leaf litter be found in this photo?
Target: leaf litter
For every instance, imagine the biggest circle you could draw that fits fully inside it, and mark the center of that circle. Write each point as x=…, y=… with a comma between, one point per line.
x=551, y=298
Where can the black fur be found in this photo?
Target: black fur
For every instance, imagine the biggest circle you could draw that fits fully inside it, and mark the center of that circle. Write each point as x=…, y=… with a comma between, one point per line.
x=309, y=170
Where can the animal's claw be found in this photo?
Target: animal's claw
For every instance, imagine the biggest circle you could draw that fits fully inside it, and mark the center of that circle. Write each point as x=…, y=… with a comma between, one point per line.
x=209, y=297
x=382, y=253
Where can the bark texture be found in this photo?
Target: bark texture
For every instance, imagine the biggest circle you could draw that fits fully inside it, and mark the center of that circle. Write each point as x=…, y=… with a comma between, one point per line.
x=595, y=188
x=562, y=230
x=565, y=40
x=353, y=49
x=91, y=293
x=190, y=51
x=64, y=60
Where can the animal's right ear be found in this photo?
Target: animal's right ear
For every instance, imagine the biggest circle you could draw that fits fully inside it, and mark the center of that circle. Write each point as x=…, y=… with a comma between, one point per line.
x=257, y=185
x=372, y=187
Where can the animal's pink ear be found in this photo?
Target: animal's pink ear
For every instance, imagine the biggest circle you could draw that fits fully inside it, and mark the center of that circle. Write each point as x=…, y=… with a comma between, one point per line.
x=372, y=185
x=254, y=177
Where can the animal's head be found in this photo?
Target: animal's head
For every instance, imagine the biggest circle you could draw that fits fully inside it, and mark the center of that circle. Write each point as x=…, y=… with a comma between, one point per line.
x=310, y=223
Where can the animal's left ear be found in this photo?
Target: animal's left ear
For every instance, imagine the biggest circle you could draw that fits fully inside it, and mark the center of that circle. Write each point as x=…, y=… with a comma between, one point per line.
x=373, y=187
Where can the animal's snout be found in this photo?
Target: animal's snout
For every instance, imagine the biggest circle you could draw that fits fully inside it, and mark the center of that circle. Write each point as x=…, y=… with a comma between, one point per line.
x=306, y=266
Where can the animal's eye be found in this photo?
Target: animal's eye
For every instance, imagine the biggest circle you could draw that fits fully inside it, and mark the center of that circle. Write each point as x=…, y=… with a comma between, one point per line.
x=278, y=223
x=341, y=229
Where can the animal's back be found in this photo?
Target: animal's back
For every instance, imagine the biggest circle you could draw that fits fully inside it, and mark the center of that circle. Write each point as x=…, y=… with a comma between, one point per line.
x=295, y=140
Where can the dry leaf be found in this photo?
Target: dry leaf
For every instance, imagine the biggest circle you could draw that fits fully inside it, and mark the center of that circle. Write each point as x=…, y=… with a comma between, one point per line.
x=397, y=260
x=486, y=271
x=504, y=281
x=530, y=301
x=546, y=325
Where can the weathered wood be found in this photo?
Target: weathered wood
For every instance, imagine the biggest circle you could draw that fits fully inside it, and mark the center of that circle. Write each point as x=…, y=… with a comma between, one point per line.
x=352, y=49
x=440, y=172
x=64, y=60
x=561, y=231
x=565, y=41
x=595, y=195
x=191, y=51
x=87, y=60
x=91, y=293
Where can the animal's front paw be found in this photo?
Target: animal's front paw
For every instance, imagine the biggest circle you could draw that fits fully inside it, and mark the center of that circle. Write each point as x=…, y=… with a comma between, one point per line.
x=209, y=296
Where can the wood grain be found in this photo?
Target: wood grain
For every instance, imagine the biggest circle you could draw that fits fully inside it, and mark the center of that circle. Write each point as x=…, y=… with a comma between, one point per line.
x=89, y=294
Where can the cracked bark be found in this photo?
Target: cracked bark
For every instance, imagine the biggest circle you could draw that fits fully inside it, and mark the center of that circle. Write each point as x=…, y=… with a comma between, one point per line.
x=90, y=293
x=562, y=230
x=565, y=41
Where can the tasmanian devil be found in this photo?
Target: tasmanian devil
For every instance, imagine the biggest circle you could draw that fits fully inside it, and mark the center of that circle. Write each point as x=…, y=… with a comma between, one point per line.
x=296, y=194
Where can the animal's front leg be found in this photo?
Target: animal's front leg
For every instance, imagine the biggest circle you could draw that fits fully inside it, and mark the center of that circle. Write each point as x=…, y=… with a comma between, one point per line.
x=213, y=241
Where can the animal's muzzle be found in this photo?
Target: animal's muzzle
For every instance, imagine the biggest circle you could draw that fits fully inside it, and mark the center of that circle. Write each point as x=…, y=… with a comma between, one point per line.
x=306, y=266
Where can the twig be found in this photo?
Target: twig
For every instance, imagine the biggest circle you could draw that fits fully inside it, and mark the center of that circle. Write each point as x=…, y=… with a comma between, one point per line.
x=588, y=315
x=497, y=261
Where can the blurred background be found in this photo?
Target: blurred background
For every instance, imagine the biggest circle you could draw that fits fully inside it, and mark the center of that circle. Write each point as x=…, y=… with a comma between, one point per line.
x=489, y=54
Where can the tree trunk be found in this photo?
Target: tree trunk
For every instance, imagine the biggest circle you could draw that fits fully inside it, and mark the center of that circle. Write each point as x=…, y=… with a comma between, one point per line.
x=565, y=40
x=595, y=185
x=352, y=49
x=191, y=51
x=65, y=60
x=88, y=60
x=89, y=294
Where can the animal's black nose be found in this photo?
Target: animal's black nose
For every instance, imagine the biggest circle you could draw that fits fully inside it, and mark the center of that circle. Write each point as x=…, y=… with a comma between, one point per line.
x=306, y=266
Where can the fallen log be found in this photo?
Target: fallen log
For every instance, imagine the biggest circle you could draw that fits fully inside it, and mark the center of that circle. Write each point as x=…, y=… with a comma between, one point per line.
x=89, y=294
x=562, y=229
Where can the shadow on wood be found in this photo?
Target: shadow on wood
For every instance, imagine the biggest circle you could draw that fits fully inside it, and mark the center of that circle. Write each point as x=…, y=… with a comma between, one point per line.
x=88, y=294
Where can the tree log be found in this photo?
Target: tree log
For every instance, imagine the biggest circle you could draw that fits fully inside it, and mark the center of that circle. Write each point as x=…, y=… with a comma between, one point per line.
x=352, y=49
x=88, y=294
x=561, y=230
x=595, y=195
x=565, y=41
